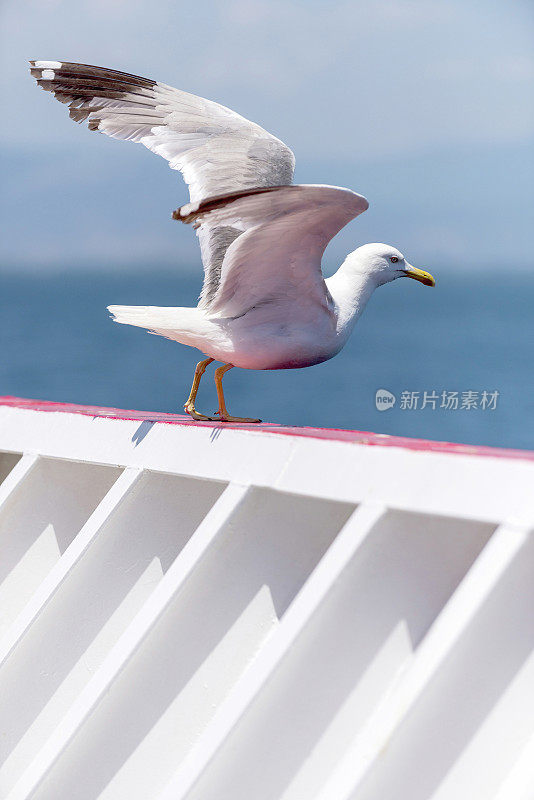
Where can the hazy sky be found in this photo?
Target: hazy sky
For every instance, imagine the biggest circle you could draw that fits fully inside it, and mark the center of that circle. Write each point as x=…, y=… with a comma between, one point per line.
x=424, y=106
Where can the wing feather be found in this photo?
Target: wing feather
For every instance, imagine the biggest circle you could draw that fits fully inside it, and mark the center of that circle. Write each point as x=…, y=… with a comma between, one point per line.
x=285, y=232
x=217, y=150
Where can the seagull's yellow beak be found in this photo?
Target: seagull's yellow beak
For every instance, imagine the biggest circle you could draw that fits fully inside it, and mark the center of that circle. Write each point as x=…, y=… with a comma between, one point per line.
x=419, y=275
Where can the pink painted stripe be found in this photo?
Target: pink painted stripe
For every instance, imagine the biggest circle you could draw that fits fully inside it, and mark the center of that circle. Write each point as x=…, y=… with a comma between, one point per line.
x=330, y=434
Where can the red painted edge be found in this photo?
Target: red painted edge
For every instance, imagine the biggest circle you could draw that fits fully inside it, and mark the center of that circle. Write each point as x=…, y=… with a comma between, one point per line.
x=330, y=434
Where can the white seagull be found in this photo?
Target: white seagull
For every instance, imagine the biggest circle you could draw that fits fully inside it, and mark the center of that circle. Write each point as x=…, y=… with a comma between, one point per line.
x=264, y=302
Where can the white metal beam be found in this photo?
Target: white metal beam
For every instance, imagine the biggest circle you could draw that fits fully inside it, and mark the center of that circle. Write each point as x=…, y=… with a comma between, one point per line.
x=305, y=604
x=127, y=644
x=120, y=489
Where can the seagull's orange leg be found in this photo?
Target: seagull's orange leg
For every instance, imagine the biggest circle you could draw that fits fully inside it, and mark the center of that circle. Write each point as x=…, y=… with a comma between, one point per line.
x=222, y=414
x=190, y=404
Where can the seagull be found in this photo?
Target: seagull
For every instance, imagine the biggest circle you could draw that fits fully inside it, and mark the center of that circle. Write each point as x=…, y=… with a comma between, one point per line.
x=264, y=302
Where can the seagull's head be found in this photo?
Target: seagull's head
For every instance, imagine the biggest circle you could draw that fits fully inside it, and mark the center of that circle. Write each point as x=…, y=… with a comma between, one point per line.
x=384, y=263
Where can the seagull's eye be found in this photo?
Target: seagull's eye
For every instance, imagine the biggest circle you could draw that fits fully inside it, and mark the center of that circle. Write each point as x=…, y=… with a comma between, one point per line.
x=393, y=259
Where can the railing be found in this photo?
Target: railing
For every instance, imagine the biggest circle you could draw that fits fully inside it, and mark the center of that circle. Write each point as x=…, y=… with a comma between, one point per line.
x=207, y=612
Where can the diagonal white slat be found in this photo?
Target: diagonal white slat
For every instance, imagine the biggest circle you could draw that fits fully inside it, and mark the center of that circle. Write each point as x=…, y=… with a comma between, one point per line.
x=470, y=596
x=16, y=477
x=309, y=599
x=40, y=520
x=519, y=783
x=110, y=502
x=131, y=639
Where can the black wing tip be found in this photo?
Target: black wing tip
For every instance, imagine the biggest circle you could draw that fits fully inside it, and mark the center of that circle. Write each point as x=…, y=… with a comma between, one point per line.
x=73, y=71
x=77, y=85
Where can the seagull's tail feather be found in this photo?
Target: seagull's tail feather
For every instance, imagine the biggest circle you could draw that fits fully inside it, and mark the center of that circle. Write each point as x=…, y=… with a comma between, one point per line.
x=140, y=316
x=156, y=317
x=185, y=325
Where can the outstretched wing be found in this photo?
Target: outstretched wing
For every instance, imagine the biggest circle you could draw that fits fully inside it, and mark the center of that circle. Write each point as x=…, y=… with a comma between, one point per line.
x=278, y=256
x=217, y=150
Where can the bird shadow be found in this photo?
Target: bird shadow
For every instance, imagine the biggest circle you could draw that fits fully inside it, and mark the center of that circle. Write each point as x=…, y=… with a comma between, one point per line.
x=216, y=432
x=143, y=430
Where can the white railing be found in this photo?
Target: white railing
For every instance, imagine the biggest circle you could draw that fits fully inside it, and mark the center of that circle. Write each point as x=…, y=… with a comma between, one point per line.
x=200, y=612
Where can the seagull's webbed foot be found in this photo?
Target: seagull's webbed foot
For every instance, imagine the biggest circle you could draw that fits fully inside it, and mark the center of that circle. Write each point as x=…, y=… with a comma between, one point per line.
x=190, y=409
x=225, y=417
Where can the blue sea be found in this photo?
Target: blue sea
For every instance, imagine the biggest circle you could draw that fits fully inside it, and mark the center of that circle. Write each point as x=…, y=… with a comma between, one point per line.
x=473, y=333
